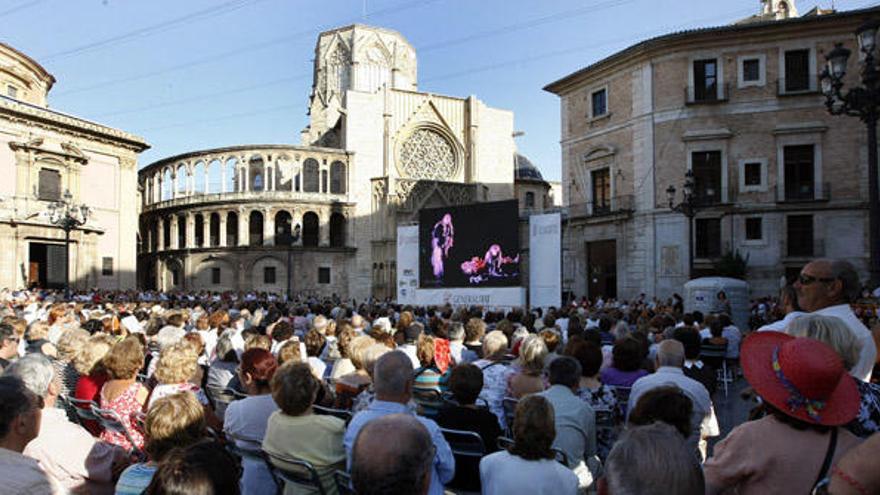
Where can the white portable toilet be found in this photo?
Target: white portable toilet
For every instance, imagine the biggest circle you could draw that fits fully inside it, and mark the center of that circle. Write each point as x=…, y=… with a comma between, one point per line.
x=701, y=294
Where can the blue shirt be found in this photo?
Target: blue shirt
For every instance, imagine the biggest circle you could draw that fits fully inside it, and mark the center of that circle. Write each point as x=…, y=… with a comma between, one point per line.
x=135, y=479
x=444, y=463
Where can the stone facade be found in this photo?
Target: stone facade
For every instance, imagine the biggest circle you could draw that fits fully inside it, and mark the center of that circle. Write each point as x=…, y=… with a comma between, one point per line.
x=779, y=179
x=392, y=148
x=44, y=153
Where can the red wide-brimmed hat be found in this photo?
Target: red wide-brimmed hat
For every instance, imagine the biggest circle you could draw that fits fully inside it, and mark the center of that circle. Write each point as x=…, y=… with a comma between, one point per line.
x=801, y=377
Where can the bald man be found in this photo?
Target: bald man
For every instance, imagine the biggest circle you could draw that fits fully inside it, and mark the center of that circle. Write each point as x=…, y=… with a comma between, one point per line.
x=392, y=454
x=393, y=382
x=827, y=287
x=669, y=362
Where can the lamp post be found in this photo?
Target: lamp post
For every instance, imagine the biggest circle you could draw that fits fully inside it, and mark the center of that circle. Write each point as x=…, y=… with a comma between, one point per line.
x=688, y=208
x=290, y=240
x=68, y=217
x=863, y=102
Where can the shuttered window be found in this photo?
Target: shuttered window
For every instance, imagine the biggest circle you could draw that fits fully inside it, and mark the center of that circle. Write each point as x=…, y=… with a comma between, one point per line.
x=50, y=185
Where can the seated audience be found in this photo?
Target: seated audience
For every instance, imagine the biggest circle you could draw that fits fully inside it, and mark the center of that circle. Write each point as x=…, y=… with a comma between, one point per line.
x=694, y=367
x=530, y=466
x=667, y=404
x=343, y=365
x=221, y=379
x=89, y=365
x=315, y=341
x=392, y=455
x=66, y=451
x=177, y=366
x=37, y=339
x=529, y=378
x=465, y=383
x=393, y=375
x=626, y=362
x=833, y=332
x=122, y=393
x=457, y=350
x=495, y=373
x=652, y=460
x=295, y=432
x=246, y=419
x=70, y=344
x=595, y=393
x=204, y=468
x=20, y=414
x=575, y=420
x=474, y=330
x=350, y=385
x=173, y=421
x=428, y=377
x=808, y=395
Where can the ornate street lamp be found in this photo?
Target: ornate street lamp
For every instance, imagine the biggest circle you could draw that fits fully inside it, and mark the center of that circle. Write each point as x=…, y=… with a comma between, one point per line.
x=68, y=217
x=862, y=102
x=688, y=208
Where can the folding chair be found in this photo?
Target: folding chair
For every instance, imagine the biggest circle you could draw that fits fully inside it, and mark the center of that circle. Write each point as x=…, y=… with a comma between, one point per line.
x=429, y=401
x=509, y=405
x=255, y=454
x=112, y=422
x=622, y=394
x=296, y=472
x=343, y=483
x=329, y=411
x=467, y=449
x=714, y=355
x=70, y=409
x=83, y=408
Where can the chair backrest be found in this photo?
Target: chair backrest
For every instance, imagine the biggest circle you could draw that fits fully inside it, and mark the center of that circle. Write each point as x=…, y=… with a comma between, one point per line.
x=605, y=417
x=70, y=409
x=255, y=454
x=296, y=472
x=464, y=443
x=343, y=483
x=111, y=421
x=429, y=401
x=713, y=350
x=505, y=443
x=509, y=405
x=84, y=408
x=329, y=411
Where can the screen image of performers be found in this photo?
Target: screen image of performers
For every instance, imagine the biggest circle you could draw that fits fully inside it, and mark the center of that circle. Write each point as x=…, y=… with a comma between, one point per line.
x=441, y=241
x=493, y=265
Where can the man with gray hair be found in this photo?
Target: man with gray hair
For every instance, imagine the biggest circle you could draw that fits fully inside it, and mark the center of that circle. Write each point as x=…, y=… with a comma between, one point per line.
x=669, y=362
x=651, y=460
x=66, y=451
x=393, y=383
x=575, y=419
x=392, y=455
x=8, y=345
x=827, y=287
x=20, y=415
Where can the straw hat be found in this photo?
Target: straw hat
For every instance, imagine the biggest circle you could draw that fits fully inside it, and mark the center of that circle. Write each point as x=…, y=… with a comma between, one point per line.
x=804, y=378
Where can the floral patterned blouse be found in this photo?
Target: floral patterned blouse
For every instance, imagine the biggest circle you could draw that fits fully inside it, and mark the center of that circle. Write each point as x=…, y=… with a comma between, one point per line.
x=868, y=420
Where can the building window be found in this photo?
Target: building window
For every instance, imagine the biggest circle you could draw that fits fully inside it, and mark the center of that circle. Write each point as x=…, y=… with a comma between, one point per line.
x=754, y=229
x=337, y=178
x=107, y=266
x=599, y=103
x=707, y=233
x=324, y=275
x=800, y=235
x=11, y=91
x=706, y=166
x=50, y=185
x=752, y=173
x=175, y=276
x=215, y=276
x=601, y=190
x=530, y=200
x=797, y=71
x=751, y=70
x=799, y=172
x=269, y=275
x=706, y=80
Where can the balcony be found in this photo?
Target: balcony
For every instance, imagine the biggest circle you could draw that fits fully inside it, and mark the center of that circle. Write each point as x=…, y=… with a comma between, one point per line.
x=616, y=206
x=805, y=193
x=797, y=86
x=699, y=95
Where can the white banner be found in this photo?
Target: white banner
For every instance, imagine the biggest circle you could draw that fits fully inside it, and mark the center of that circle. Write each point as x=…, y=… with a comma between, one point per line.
x=407, y=264
x=490, y=298
x=545, y=260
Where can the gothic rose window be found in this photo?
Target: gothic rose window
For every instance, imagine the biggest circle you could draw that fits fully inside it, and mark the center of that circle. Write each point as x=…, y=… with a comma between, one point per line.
x=427, y=155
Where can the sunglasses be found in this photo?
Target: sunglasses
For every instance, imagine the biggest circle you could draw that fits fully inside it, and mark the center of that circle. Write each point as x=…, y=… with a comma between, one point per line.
x=809, y=279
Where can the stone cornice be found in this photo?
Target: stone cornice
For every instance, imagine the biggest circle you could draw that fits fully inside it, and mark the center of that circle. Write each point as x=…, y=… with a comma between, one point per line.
x=25, y=113
x=70, y=152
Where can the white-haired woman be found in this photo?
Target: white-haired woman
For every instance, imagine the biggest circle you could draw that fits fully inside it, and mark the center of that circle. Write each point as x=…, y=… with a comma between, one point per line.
x=529, y=378
x=495, y=372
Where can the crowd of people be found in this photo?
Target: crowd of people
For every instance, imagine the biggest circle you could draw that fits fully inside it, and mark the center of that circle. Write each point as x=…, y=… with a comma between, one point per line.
x=139, y=392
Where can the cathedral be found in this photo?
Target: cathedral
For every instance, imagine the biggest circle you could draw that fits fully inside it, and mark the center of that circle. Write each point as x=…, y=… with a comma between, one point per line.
x=320, y=218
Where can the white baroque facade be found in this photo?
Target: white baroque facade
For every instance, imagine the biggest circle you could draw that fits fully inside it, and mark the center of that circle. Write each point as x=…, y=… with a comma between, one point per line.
x=44, y=153
x=376, y=150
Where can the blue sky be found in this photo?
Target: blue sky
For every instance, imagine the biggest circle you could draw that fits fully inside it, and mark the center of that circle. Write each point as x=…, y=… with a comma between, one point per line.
x=197, y=74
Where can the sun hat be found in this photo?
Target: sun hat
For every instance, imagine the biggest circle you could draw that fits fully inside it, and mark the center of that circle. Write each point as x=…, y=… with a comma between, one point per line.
x=804, y=378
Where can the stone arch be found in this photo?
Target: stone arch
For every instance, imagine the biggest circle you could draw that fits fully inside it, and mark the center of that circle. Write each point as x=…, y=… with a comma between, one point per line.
x=255, y=228
x=181, y=231
x=337, y=229
x=204, y=274
x=214, y=181
x=232, y=229
x=257, y=173
x=199, y=230
x=167, y=184
x=173, y=274
x=214, y=229
x=311, y=174
x=337, y=178
x=311, y=230
x=181, y=174
x=283, y=173
x=268, y=273
x=166, y=234
x=232, y=182
x=200, y=182
x=283, y=228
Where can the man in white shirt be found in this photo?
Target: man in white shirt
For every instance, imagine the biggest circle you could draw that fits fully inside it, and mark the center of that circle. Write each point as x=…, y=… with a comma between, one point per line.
x=788, y=303
x=670, y=359
x=826, y=287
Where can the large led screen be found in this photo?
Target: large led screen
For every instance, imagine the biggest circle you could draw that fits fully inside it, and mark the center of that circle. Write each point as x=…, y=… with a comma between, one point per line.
x=475, y=245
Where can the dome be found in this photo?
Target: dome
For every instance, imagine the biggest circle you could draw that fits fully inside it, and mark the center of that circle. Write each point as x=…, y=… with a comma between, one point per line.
x=525, y=169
